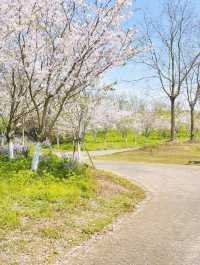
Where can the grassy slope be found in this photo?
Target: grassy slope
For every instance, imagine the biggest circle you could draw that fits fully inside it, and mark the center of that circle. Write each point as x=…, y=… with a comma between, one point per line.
x=171, y=153
x=42, y=215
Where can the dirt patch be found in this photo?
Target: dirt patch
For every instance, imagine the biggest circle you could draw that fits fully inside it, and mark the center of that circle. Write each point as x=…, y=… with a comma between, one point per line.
x=108, y=188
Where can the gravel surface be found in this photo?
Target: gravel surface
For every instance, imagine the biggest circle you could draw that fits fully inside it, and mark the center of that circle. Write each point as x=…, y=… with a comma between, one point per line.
x=165, y=230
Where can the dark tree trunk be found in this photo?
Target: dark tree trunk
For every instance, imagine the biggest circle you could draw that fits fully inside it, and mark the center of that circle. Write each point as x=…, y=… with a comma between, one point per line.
x=58, y=140
x=192, y=123
x=173, y=128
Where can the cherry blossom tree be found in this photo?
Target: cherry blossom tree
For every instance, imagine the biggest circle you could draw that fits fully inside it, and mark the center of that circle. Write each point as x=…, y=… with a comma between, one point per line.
x=124, y=117
x=106, y=115
x=60, y=47
x=123, y=124
x=76, y=118
x=15, y=105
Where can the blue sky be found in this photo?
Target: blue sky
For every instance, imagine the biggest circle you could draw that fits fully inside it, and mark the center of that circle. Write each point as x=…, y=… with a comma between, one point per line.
x=134, y=71
x=147, y=88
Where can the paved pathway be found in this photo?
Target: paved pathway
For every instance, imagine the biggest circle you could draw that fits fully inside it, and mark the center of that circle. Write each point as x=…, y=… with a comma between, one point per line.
x=84, y=154
x=165, y=230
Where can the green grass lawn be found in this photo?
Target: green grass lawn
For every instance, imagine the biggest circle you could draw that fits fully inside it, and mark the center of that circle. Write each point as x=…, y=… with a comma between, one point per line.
x=44, y=214
x=170, y=153
x=114, y=140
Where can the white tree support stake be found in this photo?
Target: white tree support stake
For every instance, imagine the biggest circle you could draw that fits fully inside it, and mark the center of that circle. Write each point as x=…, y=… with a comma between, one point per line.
x=11, y=150
x=36, y=157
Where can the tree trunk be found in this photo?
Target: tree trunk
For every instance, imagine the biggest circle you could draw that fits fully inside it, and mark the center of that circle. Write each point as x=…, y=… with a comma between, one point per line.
x=36, y=157
x=172, y=134
x=23, y=133
x=23, y=137
x=191, y=123
x=78, y=151
x=58, y=140
x=2, y=139
x=74, y=150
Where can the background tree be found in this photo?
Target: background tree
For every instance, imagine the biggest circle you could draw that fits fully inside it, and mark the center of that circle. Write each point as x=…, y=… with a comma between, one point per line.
x=167, y=41
x=192, y=83
x=106, y=115
x=77, y=117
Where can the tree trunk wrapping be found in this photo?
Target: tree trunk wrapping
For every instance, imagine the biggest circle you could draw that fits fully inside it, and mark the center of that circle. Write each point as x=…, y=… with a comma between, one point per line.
x=36, y=157
x=11, y=150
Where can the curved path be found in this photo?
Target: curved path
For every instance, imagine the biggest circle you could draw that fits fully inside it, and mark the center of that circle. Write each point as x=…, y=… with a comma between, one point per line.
x=165, y=230
x=84, y=154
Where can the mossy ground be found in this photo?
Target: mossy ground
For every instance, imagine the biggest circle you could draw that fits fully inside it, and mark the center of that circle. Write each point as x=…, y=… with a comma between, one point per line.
x=44, y=214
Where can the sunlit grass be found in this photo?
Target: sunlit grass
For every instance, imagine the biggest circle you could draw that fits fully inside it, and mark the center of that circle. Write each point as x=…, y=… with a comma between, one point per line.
x=25, y=193
x=57, y=205
x=170, y=153
x=114, y=140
